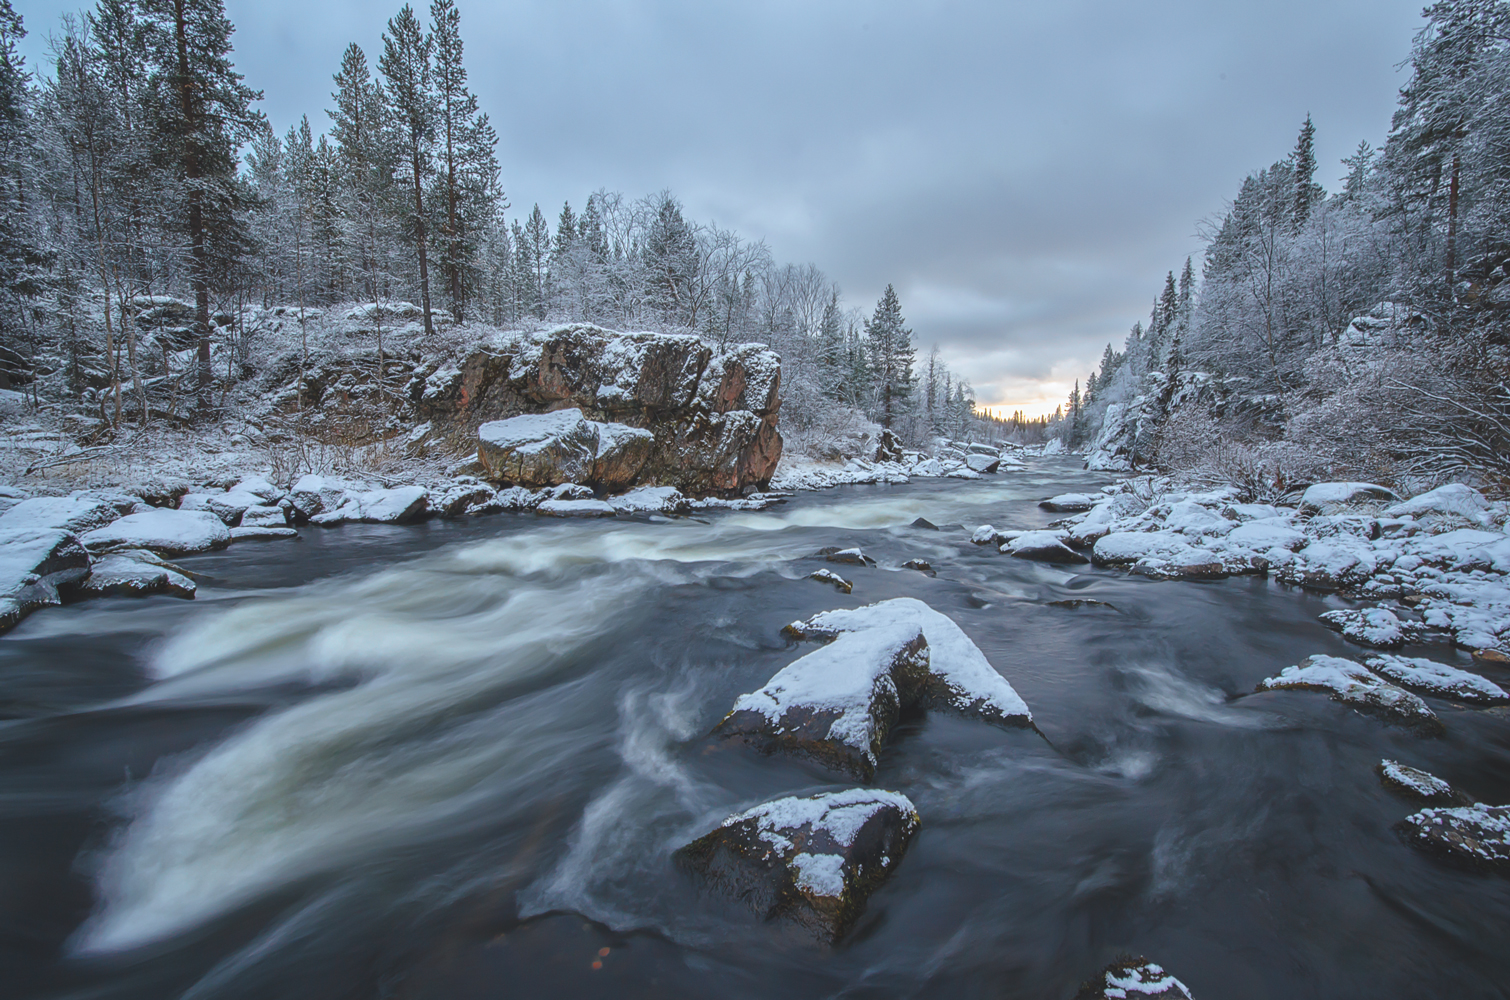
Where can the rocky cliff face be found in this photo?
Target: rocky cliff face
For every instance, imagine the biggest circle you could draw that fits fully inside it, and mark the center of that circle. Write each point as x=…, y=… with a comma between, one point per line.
x=711, y=411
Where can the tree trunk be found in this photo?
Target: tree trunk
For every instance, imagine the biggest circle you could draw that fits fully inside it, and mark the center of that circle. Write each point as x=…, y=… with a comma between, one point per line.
x=419, y=232
x=1452, y=225
x=199, y=266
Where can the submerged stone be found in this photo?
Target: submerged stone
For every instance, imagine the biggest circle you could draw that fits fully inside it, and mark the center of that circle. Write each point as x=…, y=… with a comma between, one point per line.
x=813, y=860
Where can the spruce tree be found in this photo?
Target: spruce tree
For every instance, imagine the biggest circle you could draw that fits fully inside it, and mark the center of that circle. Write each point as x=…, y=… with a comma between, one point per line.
x=202, y=116
x=363, y=159
x=1303, y=162
x=407, y=70
x=891, y=355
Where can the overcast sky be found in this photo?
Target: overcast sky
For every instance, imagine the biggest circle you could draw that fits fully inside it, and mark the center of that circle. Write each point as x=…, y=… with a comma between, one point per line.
x=1024, y=173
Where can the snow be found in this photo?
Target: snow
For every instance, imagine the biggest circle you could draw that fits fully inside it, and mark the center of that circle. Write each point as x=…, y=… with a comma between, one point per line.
x=387, y=506
x=1377, y=627
x=1044, y=546
x=1454, y=499
x=653, y=499
x=972, y=684
x=1413, y=780
x=1148, y=979
x=1478, y=832
x=845, y=677
x=1070, y=502
x=1122, y=547
x=530, y=431
x=135, y=572
x=247, y=532
x=841, y=815
x=1429, y=677
x=169, y=532
x=74, y=513
x=829, y=576
x=819, y=874
x=1323, y=495
x=1352, y=684
x=576, y=508
x=33, y=564
x=982, y=463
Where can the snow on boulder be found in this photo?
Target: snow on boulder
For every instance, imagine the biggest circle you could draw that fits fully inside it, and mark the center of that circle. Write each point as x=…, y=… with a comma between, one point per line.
x=1261, y=536
x=1109, y=514
x=264, y=517
x=77, y=514
x=1134, y=978
x=314, y=494
x=372, y=312
x=813, y=860
x=1121, y=548
x=576, y=508
x=544, y=449
x=960, y=678
x=398, y=505
x=1476, y=834
x=987, y=535
x=1415, y=783
x=849, y=557
x=34, y=563
x=1319, y=498
x=835, y=705
x=651, y=500
x=1042, y=546
x=622, y=452
x=227, y=506
x=1195, y=520
x=1377, y=627
x=983, y=463
x=1069, y=503
x=1429, y=677
x=1452, y=500
x=164, y=531
x=829, y=576
x=466, y=497
x=1353, y=685
x=1336, y=563
x=134, y=573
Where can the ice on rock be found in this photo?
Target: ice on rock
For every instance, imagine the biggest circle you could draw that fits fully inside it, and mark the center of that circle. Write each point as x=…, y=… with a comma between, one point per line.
x=837, y=704
x=1042, y=546
x=1476, y=834
x=1414, y=782
x=1134, y=979
x=814, y=860
x=164, y=531
x=960, y=678
x=1377, y=627
x=1438, y=679
x=1352, y=684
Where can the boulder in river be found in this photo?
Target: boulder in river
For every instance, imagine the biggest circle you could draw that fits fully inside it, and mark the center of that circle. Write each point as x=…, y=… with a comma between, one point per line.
x=33, y=565
x=813, y=860
x=1352, y=684
x=851, y=556
x=1132, y=978
x=829, y=576
x=76, y=514
x=921, y=565
x=133, y=573
x=1042, y=546
x=837, y=704
x=1070, y=503
x=547, y=449
x=164, y=531
x=1418, y=784
x=959, y=678
x=576, y=508
x=983, y=463
x=1438, y=679
x=1478, y=834
x=1377, y=627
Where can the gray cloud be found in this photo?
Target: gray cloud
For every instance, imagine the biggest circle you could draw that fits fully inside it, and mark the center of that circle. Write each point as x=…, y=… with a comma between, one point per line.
x=1024, y=173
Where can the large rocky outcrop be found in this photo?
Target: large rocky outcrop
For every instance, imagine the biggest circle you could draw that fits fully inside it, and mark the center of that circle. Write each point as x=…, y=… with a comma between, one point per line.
x=711, y=410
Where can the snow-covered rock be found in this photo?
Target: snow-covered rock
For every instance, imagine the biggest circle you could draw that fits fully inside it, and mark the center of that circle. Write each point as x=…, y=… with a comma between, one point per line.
x=1452, y=500
x=1134, y=979
x=227, y=506
x=1322, y=497
x=398, y=505
x=544, y=449
x=134, y=573
x=34, y=563
x=1377, y=627
x=837, y=704
x=651, y=500
x=852, y=556
x=1415, y=783
x=164, y=531
x=982, y=463
x=263, y=517
x=75, y=513
x=960, y=678
x=313, y=494
x=813, y=860
x=1353, y=685
x=1069, y=503
x=1429, y=677
x=253, y=532
x=1122, y=548
x=1042, y=546
x=1476, y=834
x=576, y=508
x=1104, y=518
x=829, y=576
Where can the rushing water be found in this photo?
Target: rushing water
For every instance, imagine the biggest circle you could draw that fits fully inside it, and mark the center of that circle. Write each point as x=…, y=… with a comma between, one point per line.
x=451, y=761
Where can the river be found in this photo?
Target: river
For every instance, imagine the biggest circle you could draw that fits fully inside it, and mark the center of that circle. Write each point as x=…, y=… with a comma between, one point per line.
x=451, y=761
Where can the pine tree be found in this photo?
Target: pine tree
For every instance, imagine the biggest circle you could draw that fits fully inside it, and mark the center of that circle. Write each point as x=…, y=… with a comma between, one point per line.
x=1303, y=161
x=891, y=355
x=535, y=254
x=203, y=115
x=406, y=67
x=363, y=158
x=831, y=350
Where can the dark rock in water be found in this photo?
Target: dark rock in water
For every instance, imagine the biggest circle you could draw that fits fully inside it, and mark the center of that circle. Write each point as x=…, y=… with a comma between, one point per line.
x=851, y=556
x=1081, y=602
x=813, y=860
x=923, y=522
x=921, y=565
x=837, y=704
x=1478, y=835
x=1417, y=784
x=1042, y=546
x=829, y=576
x=1070, y=503
x=1352, y=684
x=1491, y=657
x=1134, y=978
x=1438, y=679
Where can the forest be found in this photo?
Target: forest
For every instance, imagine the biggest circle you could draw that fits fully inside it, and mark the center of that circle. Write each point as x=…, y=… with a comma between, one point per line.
x=1363, y=332
x=159, y=233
